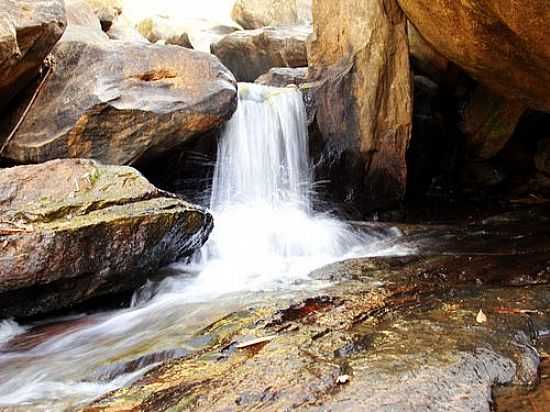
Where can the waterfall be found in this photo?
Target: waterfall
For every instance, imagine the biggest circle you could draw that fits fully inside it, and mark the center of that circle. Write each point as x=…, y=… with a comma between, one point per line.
x=267, y=238
x=266, y=233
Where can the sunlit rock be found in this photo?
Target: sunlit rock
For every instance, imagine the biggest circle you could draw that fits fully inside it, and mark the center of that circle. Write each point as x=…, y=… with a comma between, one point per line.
x=117, y=101
x=251, y=53
x=74, y=229
x=29, y=29
x=255, y=14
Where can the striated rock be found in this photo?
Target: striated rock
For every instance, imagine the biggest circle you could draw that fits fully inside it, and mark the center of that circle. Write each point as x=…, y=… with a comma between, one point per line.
x=501, y=43
x=106, y=10
x=361, y=92
x=249, y=54
x=74, y=229
x=29, y=30
x=283, y=76
x=119, y=102
x=489, y=122
x=255, y=14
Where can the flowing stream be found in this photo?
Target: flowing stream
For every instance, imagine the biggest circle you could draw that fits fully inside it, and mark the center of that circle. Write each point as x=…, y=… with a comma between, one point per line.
x=267, y=238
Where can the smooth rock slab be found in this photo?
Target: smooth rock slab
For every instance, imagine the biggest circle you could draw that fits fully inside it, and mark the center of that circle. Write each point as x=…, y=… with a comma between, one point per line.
x=71, y=230
x=119, y=102
x=29, y=29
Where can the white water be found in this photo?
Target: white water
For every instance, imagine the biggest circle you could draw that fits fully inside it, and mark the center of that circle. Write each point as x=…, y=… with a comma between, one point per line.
x=266, y=239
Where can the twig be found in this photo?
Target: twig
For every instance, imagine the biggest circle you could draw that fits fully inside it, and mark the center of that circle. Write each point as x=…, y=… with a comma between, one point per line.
x=51, y=63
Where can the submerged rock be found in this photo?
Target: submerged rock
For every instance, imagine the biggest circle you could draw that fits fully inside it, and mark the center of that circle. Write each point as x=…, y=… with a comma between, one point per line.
x=251, y=53
x=502, y=44
x=72, y=230
x=361, y=89
x=255, y=14
x=29, y=29
x=117, y=101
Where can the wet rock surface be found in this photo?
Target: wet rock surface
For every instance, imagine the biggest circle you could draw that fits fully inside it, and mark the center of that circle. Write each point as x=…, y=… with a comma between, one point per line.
x=29, y=30
x=441, y=330
x=117, y=102
x=72, y=230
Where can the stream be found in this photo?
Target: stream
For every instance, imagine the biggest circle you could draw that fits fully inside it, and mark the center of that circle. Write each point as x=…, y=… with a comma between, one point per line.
x=267, y=239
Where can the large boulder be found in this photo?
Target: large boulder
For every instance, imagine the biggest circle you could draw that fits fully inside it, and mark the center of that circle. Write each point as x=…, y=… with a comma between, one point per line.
x=361, y=89
x=119, y=102
x=29, y=29
x=501, y=43
x=73, y=229
x=251, y=53
x=254, y=14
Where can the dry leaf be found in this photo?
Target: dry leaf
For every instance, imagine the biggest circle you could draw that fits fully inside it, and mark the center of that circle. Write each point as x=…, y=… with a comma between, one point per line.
x=481, y=317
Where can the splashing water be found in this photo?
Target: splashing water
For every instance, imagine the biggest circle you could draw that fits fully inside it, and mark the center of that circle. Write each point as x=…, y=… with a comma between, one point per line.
x=266, y=233
x=266, y=238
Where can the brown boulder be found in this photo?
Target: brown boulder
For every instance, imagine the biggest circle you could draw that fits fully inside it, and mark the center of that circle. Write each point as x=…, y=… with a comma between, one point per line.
x=74, y=229
x=251, y=53
x=361, y=87
x=255, y=14
x=29, y=29
x=501, y=43
x=424, y=57
x=118, y=102
x=164, y=29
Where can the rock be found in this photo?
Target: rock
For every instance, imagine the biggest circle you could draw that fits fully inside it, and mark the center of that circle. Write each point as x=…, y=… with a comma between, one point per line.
x=122, y=29
x=197, y=34
x=106, y=10
x=29, y=29
x=542, y=156
x=120, y=102
x=283, y=76
x=251, y=53
x=255, y=14
x=401, y=337
x=51, y=213
x=424, y=58
x=162, y=28
x=361, y=89
x=504, y=45
x=489, y=122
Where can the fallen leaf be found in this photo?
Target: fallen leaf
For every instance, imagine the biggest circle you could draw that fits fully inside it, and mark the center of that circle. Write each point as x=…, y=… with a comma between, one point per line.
x=481, y=317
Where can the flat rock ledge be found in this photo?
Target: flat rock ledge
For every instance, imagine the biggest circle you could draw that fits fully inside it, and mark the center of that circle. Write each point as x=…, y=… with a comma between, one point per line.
x=72, y=230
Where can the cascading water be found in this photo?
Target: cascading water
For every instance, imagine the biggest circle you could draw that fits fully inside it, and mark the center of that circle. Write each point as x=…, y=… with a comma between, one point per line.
x=266, y=238
x=266, y=232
